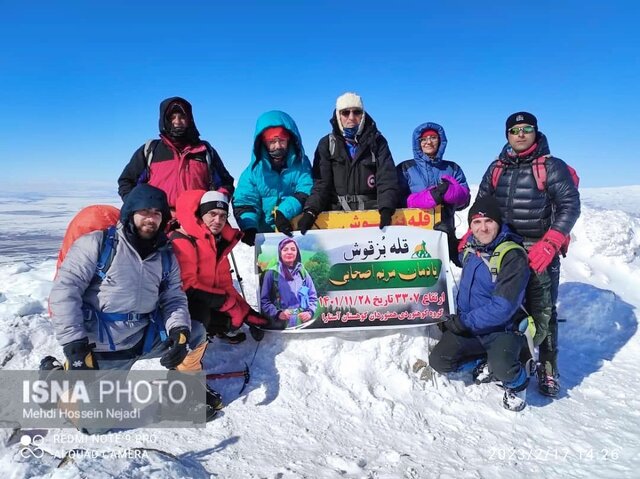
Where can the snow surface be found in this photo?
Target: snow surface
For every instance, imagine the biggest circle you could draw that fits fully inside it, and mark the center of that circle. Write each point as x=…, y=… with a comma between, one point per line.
x=349, y=405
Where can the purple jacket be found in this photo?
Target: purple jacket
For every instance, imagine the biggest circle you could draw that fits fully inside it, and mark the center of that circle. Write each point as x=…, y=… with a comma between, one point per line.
x=279, y=294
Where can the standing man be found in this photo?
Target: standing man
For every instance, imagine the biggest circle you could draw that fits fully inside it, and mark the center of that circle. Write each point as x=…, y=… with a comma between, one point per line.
x=277, y=182
x=544, y=218
x=489, y=312
x=138, y=310
x=179, y=160
x=353, y=168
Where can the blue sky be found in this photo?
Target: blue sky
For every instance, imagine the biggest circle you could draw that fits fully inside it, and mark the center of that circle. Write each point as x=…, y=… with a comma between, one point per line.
x=81, y=81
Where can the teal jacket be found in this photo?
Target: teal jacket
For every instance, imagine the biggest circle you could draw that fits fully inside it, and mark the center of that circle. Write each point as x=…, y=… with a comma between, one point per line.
x=261, y=189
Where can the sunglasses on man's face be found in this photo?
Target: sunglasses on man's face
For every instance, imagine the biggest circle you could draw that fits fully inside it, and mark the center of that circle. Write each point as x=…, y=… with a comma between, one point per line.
x=525, y=129
x=348, y=112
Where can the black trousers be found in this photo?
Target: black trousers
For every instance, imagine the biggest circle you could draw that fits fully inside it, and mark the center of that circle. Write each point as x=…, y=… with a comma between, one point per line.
x=502, y=351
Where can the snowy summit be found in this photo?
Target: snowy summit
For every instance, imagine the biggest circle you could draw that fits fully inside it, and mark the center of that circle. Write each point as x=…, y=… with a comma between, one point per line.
x=350, y=404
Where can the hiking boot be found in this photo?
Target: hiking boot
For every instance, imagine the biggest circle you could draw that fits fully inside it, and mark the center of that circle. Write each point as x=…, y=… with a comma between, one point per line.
x=514, y=400
x=548, y=380
x=482, y=374
x=214, y=403
x=231, y=337
x=256, y=333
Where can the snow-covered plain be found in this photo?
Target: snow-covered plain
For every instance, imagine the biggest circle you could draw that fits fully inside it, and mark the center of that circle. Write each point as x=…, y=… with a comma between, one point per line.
x=349, y=405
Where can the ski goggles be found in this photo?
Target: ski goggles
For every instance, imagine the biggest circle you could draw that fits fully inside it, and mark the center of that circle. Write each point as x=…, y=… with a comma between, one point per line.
x=525, y=129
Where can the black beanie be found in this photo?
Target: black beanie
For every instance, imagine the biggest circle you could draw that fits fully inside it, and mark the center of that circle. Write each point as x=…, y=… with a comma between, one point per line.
x=521, y=117
x=486, y=207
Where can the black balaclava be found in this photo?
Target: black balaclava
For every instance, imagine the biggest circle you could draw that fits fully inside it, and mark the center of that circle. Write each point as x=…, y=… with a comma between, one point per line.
x=179, y=136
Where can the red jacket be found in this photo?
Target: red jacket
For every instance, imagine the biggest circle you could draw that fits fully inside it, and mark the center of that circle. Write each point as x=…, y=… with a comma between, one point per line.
x=203, y=266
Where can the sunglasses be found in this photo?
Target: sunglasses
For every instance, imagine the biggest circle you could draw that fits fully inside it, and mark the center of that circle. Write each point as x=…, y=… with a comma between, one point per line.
x=525, y=129
x=347, y=112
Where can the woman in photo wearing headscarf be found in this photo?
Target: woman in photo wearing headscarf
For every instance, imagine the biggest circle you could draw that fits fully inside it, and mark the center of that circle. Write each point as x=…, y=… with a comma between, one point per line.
x=288, y=293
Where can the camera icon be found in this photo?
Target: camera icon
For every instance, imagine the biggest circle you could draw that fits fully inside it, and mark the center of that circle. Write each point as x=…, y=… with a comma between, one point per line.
x=31, y=446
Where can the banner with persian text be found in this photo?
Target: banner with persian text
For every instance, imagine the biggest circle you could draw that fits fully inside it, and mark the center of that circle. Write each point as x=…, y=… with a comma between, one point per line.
x=354, y=278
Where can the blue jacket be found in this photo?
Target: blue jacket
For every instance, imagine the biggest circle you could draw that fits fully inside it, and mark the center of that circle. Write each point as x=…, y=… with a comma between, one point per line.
x=261, y=189
x=423, y=172
x=484, y=306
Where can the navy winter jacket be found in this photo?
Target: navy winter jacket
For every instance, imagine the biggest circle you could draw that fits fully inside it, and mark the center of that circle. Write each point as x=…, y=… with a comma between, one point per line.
x=485, y=306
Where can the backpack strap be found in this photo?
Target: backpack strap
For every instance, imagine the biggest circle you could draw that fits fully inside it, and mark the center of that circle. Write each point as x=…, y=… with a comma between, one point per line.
x=166, y=267
x=332, y=145
x=107, y=252
x=540, y=171
x=493, y=261
x=175, y=234
x=149, y=149
x=497, y=170
x=156, y=325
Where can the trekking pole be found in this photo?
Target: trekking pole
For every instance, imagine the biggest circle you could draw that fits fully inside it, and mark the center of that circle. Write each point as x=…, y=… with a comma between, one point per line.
x=233, y=374
x=235, y=270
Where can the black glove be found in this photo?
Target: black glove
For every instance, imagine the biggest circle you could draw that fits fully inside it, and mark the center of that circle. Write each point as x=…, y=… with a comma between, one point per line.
x=249, y=237
x=210, y=300
x=439, y=191
x=307, y=220
x=283, y=224
x=454, y=325
x=79, y=355
x=178, y=342
x=385, y=217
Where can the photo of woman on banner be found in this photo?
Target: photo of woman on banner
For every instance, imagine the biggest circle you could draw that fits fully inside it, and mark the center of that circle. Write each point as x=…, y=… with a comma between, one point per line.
x=288, y=296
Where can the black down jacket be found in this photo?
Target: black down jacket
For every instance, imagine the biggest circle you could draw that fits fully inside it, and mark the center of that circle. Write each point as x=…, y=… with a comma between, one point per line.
x=371, y=173
x=530, y=211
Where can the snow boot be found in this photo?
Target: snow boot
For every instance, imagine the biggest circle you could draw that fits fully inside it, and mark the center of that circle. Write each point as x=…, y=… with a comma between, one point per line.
x=548, y=380
x=232, y=338
x=256, y=333
x=482, y=374
x=515, y=399
x=214, y=403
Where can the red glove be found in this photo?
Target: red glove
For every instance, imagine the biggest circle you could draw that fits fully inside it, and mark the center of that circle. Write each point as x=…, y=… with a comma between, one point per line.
x=541, y=254
x=237, y=318
x=463, y=241
x=256, y=319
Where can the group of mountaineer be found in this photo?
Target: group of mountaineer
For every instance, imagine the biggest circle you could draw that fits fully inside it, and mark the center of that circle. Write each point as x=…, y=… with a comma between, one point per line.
x=157, y=300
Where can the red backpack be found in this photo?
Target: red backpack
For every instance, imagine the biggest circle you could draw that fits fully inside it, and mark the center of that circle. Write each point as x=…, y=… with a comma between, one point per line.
x=539, y=173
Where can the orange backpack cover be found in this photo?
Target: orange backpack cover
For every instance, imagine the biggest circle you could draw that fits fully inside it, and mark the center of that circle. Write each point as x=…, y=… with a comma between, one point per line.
x=88, y=219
